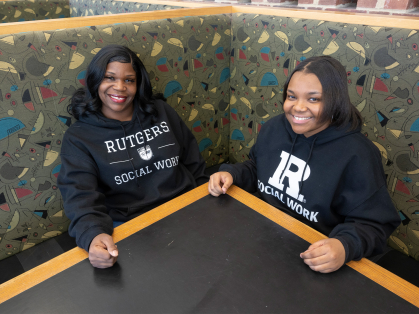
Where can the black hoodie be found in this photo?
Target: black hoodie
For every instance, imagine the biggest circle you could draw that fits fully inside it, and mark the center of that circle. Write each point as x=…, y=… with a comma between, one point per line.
x=343, y=193
x=113, y=170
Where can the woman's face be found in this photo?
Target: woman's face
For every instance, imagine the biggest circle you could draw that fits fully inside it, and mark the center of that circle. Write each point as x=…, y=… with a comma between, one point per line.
x=117, y=91
x=304, y=104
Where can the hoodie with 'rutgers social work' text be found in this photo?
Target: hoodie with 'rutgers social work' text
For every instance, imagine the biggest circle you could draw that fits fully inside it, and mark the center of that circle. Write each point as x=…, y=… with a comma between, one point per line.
x=115, y=171
x=332, y=181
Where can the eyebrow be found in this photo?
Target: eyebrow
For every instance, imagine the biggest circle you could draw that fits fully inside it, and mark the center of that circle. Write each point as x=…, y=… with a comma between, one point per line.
x=309, y=93
x=109, y=72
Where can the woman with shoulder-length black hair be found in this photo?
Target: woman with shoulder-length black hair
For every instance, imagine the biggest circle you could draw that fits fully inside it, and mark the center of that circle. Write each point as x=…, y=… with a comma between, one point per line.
x=88, y=100
x=314, y=163
x=128, y=152
x=337, y=106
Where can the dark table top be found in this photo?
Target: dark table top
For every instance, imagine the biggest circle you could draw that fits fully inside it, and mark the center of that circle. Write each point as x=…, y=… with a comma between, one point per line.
x=216, y=255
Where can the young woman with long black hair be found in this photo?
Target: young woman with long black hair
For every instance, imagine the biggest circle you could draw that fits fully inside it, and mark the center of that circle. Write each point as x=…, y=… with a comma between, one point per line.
x=314, y=163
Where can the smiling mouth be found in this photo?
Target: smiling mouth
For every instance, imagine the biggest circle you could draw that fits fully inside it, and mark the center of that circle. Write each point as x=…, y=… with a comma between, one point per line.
x=117, y=98
x=301, y=118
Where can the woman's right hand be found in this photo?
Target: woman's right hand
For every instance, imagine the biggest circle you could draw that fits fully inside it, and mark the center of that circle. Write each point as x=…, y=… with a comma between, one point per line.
x=103, y=252
x=219, y=183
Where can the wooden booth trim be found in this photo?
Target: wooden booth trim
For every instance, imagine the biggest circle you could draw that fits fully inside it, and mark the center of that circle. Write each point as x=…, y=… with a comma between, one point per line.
x=36, y=275
x=202, y=9
x=409, y=22
x=55, y=24
x=381, y=276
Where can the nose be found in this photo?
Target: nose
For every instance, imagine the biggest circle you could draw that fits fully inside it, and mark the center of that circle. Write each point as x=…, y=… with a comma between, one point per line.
x=300, y=106
x=119, y=85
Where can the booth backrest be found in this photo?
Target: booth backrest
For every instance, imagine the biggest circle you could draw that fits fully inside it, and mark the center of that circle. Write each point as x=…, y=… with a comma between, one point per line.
x=102, y=7
x=19, y=11
x=223, y=74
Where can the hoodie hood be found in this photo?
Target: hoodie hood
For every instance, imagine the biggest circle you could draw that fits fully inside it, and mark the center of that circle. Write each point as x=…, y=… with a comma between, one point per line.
x=329, y=134
x=99, y=120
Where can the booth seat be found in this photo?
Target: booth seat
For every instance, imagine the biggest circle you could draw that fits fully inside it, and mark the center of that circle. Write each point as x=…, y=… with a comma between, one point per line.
x=223, y=74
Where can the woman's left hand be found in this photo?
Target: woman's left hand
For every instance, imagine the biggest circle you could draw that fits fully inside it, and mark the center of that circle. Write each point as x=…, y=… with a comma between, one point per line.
x=325, y=256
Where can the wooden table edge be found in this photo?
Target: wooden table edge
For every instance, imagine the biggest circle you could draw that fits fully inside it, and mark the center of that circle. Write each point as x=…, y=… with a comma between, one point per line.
x=381, y=276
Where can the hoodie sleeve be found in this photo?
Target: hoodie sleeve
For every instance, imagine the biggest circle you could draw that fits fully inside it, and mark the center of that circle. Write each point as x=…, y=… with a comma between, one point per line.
x=366, y=228
x=191, y=157
x=83, y=201
x=244, y=174
x=363, y=199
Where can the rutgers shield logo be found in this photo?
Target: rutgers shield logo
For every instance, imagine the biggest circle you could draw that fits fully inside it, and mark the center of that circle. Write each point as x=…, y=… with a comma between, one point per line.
x=145, y=152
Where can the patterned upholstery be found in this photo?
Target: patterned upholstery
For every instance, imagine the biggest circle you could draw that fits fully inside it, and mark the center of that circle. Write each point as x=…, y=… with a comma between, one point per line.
x=102, y=7
x=224, y=76
x=187, y=59
x=382, y=68
x=18, y=11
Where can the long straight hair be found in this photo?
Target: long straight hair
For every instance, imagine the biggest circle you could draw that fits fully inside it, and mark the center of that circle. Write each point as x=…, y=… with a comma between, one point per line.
x=332, y=75
x=86, y=99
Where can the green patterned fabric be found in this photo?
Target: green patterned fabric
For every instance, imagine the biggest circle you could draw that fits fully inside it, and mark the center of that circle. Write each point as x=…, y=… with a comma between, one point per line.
x=21, y=10
x=187, y=59
x=382, y=69
x=103, y=7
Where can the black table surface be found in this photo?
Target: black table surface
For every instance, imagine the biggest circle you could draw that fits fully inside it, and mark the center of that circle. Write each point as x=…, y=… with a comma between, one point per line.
x=214, y=256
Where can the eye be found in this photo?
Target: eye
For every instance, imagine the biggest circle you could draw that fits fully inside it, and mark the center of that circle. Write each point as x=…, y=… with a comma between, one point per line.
x=129, y=80
x=109, y=77
x=291, y=96
x=314, y=99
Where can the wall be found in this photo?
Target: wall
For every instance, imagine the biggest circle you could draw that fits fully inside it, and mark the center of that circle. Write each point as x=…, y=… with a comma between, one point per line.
x=382, y=67
x=187, y=59
x=18, y=11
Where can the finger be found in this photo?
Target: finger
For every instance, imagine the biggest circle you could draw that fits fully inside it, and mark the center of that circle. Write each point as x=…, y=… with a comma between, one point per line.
x=324, y=268
x=227, y=182
x=315, y=245
x=314, y=252
x=317, y=261
x=214, y=187
x=111, y=247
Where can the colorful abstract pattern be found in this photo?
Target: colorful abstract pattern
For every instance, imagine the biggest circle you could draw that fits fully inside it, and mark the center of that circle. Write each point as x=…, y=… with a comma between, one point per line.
x=102, y=7
x=19, y=11
x=187, y=59
x=382, y=70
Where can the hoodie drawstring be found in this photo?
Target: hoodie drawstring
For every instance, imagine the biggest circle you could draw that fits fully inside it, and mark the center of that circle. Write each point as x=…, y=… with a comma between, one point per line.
x=308, y=159
x=289, y=156
x=129, y=157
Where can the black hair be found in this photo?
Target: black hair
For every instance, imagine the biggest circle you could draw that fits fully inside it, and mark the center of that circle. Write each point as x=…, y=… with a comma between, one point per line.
x=86, y=99
x=332, y=75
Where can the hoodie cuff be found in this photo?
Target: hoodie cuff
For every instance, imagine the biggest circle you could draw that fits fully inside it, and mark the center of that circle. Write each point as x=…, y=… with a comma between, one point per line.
x=87, y=236
x=349, y=248
x=229, y=169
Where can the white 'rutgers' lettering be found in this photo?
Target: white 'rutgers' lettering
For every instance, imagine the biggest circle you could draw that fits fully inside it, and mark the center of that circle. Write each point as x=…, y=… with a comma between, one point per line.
x=121, y=143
